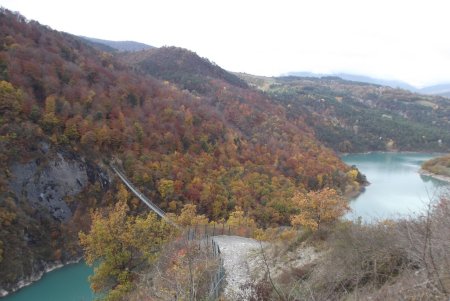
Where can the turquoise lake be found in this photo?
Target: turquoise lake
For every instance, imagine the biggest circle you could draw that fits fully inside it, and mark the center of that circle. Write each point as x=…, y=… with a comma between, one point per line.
x=396, y=188
x=69, y=283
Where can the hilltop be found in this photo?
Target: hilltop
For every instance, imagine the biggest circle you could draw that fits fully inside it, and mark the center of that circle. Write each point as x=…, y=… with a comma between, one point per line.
x=182, y=67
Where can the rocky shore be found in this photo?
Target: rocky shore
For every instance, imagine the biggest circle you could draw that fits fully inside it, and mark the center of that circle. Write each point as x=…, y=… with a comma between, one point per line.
x=47, y=267
x=435, y=176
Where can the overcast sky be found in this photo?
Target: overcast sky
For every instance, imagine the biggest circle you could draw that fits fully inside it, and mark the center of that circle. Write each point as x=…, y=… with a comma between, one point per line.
x=390, y=39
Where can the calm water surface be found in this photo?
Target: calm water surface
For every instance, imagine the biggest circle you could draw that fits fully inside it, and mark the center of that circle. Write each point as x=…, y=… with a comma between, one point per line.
x=69, y=283
x=396, y=188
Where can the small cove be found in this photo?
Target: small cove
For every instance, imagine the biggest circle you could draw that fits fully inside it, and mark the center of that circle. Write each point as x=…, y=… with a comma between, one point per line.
x=396, y=188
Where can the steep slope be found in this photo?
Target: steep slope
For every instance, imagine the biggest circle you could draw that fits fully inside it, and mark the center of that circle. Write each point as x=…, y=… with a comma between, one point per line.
x=356, y=117
x=183, y=67
x=67, y=108
x=254, y=117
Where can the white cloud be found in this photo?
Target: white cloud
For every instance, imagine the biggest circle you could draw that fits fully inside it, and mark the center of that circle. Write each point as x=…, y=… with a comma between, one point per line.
x=404, y=40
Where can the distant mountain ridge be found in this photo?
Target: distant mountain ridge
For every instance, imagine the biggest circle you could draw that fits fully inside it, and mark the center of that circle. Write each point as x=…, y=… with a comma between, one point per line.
x=121, y=46
x=439, y=89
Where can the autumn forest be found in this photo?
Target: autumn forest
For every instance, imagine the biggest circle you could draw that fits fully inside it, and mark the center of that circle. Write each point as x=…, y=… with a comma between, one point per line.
x=204, y=144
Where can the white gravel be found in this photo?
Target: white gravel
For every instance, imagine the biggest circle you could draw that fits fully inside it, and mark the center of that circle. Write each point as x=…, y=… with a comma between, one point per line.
x=235, y=251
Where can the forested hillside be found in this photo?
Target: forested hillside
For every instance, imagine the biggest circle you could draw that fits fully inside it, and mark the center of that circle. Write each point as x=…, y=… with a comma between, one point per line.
x=356, y=117
x=183, y=67
x=211, y=141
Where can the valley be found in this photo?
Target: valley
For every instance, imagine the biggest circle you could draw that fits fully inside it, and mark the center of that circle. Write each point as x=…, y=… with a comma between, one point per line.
x=210, y=148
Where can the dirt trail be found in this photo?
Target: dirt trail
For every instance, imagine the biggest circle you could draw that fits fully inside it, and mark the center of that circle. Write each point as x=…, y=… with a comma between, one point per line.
x=235, y=251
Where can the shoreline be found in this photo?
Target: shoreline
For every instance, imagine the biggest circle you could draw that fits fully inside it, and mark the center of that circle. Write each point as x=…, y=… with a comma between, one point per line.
x=391, y=152
x=434, y=176
x=353, y=194
x=49, y=267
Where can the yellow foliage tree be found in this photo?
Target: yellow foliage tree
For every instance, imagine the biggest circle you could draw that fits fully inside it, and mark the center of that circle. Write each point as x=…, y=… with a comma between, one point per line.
x=120, y=244
x=50, y=104
x=352, y=174
x=10, y=99
x=189, y=216
x=238, y=218
x=71, y=131
x=103, y=136
x=318, y=208
x=49, y=120
x=166, y=188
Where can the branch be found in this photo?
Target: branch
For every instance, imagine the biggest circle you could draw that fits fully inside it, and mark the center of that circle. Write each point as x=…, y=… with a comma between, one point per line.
x=268, y=271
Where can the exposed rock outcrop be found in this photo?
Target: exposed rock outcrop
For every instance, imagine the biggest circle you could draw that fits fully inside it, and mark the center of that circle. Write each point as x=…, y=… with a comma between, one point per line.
x=46, y=182
x=44, y=194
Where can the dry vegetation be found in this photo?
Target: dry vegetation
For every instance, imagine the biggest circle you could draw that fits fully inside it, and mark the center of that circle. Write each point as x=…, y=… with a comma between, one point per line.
x=403, y=260
x=183, y=272
x=438, y=166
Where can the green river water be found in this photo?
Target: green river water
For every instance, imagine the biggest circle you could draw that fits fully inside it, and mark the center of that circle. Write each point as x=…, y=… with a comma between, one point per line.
x=396, y=189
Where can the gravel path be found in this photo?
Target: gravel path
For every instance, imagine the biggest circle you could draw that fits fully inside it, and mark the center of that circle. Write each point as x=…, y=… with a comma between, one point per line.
x=235, y=251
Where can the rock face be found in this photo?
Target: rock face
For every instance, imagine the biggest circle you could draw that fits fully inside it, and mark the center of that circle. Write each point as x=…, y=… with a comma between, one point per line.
x=48, y=184
x=44, y=194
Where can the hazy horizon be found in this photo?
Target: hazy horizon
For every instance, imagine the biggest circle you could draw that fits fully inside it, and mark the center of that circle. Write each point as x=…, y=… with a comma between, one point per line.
x=402, y=41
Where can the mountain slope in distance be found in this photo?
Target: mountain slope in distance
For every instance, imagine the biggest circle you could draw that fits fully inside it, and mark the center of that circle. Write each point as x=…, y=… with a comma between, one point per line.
x=439, y=89
x=120, y=46
x=358, y=78
x=358, y=117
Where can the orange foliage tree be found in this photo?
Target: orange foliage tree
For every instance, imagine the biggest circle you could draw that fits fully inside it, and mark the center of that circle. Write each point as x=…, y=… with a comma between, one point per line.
x=318, y=208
